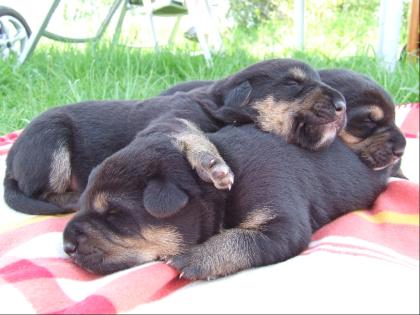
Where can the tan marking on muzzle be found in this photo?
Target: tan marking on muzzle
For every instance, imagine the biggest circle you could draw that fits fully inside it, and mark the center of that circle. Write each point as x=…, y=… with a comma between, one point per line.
x=275, y=117
x=257, y=219
x=376, y=112
x=156, y=243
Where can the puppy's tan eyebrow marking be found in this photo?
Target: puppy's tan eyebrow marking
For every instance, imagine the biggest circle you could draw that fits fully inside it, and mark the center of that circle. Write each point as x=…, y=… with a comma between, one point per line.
x=376, y=112
x=298, y=73
x=100, y=202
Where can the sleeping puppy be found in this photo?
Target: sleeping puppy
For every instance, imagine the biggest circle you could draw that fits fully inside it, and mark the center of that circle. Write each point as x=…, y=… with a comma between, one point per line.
x=144, y=203
x=48, y=166
x=370, y=130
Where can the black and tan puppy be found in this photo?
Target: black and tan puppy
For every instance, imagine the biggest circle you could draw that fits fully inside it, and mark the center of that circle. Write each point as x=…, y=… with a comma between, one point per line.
x=48, y=166
x=370, y=130
x=145, y=203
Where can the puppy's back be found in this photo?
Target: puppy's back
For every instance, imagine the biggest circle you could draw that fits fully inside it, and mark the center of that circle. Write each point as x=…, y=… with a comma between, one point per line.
x=269, y=172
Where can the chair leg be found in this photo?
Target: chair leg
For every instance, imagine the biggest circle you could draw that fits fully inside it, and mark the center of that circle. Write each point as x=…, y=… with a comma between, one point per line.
x=149, y=12
x=194, y=12
x=174, y=31
x=217, y=38
x=35, y=37
x=118, y=27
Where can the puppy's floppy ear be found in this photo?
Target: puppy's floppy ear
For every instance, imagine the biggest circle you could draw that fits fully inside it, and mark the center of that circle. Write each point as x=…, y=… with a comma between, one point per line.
x=233, y=109
x=163, y=198
x=238, y=96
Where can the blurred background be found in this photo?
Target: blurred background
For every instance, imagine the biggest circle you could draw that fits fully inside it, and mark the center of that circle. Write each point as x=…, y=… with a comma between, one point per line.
x=214, y=39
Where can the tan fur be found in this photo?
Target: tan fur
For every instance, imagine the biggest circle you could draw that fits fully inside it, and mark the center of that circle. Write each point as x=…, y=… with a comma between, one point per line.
x=155, y=243
x=257, y=219
x=376, y=112
x=193, y=142
x=328, y=136
x=298, y=73
x=100, y=202
x=60, y=170
x=366, y=146
x=224, y=254
x=348, y=138
x=275, y=117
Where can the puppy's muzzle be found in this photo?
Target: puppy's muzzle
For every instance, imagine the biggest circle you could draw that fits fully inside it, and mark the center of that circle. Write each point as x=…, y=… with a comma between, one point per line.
x=70, y=248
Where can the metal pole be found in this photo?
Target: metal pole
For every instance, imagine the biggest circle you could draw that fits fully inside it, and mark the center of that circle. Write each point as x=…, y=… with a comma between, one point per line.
x=34, y=39
x=390, y=13
x=300, y=23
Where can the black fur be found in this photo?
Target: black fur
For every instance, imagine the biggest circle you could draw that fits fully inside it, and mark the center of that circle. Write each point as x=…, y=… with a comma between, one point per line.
x=384, y=141
x=294, y=191
x=360, y=92
x=92, y=131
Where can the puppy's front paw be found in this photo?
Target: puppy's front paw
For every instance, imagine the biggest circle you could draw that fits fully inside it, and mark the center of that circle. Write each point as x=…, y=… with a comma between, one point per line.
x=193, y=265
x=214, y=170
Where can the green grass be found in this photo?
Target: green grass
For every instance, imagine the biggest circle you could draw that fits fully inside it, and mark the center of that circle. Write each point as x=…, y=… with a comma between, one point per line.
x=62, y=73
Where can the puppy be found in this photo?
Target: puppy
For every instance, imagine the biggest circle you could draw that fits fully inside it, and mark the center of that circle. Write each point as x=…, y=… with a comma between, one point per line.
x=370, y=130
x=144, y=203
x=48, y=166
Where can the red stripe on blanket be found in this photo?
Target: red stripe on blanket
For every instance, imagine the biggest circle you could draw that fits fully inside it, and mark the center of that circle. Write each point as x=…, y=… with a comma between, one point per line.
x=351, y=253
x=402, y=195
x=11, y=239
x=403, y=238
x=136, y=287
x=410, y=125
x=156, y=281
x=36, y=289
x=62, y=268
x=22, y=270
x=358, y=248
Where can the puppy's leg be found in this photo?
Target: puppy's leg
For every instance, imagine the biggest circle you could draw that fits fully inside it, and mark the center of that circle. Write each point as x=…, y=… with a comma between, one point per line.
x=202, y=155
x=39, y=164
x=249, y=245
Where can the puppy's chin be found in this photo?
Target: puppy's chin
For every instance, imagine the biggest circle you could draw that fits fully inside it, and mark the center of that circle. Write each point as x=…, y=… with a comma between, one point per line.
x=99, y=264
x=380, y=159
x=315, y=136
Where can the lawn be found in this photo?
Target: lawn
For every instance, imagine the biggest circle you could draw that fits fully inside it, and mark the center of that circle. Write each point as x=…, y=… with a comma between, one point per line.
x=61, y=73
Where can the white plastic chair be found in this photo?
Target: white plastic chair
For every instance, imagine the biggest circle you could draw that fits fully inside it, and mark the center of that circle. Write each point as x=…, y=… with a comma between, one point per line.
x=150, y=8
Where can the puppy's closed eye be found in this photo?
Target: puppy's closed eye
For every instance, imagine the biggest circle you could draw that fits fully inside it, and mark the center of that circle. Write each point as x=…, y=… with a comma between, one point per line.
x=293, y=81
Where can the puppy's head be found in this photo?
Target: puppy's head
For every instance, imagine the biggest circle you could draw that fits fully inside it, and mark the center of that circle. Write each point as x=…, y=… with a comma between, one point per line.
x=141, y=204
x=285, y=97
x=370, y=129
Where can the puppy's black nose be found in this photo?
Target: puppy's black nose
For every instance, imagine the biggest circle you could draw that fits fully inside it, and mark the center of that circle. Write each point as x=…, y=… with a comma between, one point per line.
x=70, y=248
x=339, y=105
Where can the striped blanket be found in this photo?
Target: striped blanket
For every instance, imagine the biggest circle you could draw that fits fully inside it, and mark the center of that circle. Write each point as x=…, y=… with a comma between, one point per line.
x=363, y=262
